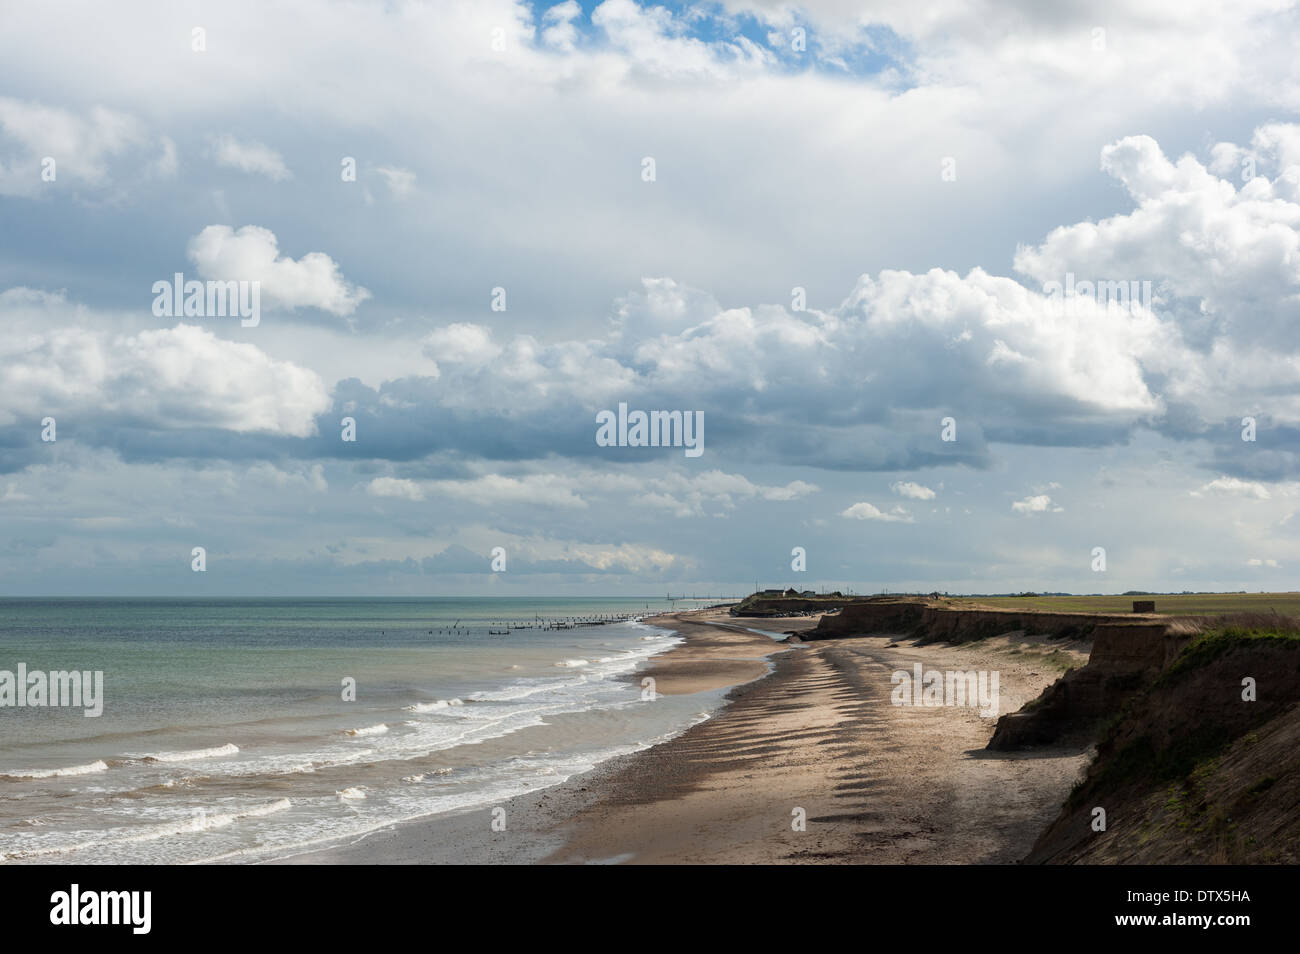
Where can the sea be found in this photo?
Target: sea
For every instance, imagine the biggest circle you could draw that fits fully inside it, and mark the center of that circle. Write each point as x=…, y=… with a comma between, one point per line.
x=250, y=729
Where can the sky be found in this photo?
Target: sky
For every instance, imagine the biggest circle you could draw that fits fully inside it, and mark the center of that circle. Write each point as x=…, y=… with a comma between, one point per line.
x=839, y=233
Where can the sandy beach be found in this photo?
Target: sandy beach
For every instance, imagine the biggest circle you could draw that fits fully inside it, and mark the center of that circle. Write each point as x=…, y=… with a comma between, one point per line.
x=808, y=728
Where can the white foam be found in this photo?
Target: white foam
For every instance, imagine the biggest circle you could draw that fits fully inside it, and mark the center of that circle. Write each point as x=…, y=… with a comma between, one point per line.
x=378, y=729
x=446, y=770
x=573, y=663
x=351, y=793
x=199, y=821
x=89, y=768
x=433, y=706
x=192, y=755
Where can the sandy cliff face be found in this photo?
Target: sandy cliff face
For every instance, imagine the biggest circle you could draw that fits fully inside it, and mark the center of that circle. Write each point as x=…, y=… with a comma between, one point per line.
x=1190, y=770
x=1125, y=657
x=874, y=617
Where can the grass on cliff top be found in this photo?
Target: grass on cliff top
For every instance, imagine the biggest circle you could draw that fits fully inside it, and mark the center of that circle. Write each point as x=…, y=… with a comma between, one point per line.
x=1242, y=630
x=1189, y=604
x=1140, y=758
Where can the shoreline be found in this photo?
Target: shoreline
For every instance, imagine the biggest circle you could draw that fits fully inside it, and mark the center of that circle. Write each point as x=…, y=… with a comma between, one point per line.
x=804, y=728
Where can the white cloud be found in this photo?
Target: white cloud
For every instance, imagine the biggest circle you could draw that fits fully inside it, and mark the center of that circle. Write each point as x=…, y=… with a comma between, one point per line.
x=251, y=157
x=461, y=343
x=628, y=557
x=541, y=490
x=89, y=149
x=866, y=511
x=169, y=378
x=1041, y=503
x=395, y=487
x=906, y=488
x=1024, y=369
x=400, y=182
x=1234, y=487
x=713, y=492
x=253, y=254
x=558, y=29
x=1272, y=564
x=1025, y=372
x=1226, y=257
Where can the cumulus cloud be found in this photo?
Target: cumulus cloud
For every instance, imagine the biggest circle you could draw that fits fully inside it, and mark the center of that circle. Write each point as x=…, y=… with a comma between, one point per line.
x=253, y=254
x=169, y=378
x=1040, y=503
x=462, y=343
x=548, y=198
x=88, y=149
x=867, y=511
x=979, y=343
x=987, y=348
x=1019, y=368
x=558, y=30
x=906, y=488
x=250, y=157
x=1234, y=487
x=1225, y=256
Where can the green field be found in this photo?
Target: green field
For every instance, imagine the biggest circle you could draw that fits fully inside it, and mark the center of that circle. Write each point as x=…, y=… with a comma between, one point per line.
x=1195, y=604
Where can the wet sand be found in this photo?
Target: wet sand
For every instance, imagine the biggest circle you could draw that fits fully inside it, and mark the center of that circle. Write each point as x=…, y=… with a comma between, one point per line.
x=809, y=731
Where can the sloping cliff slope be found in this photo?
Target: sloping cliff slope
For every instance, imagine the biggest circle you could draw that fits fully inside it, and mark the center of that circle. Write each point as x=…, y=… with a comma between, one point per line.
x=1191, y=769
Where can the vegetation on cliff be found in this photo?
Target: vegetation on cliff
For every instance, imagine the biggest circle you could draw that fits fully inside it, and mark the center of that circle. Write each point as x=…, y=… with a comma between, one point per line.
x=1202, y=764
